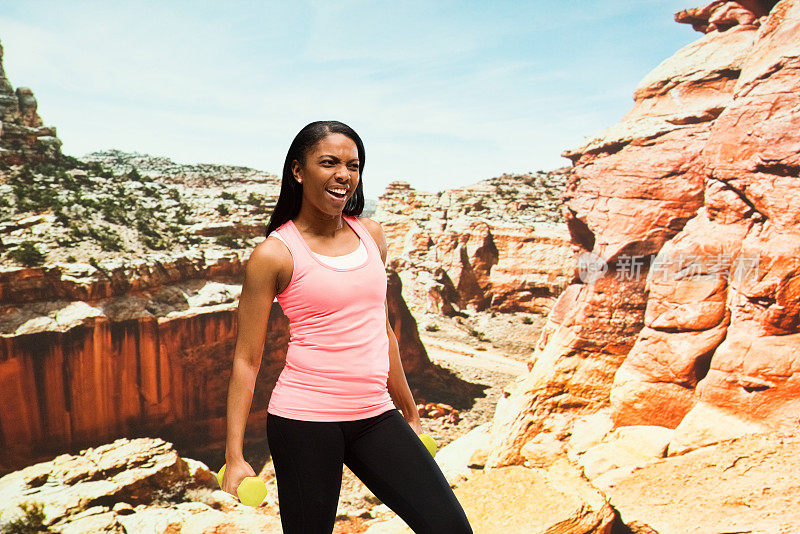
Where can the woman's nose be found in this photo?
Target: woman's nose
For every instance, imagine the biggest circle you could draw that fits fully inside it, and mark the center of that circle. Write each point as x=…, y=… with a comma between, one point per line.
x=342, y=171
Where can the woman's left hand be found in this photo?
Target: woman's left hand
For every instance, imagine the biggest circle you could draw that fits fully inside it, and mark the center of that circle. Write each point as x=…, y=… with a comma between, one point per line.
x=415, y=425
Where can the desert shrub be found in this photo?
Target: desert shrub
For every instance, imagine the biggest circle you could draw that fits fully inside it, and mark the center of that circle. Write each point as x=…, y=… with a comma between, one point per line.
x=27, y=254
x=151, y=191
x=30, y=523
x=478, y=334
x=134, y=175
x=230, y=241
x=69, y=162
x=107, y=238
x=155, y=242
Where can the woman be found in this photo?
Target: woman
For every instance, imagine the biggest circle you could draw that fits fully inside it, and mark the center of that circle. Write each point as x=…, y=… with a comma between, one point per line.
x=335, y=401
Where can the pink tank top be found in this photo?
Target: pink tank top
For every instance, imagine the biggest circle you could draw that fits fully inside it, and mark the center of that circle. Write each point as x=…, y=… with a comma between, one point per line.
x=337, y=363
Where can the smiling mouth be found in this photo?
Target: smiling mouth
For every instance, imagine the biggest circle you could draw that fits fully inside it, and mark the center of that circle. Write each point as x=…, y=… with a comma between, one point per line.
x=337, y=195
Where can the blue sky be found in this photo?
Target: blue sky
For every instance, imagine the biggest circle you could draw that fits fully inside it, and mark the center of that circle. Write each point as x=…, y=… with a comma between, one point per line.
x=443, y=93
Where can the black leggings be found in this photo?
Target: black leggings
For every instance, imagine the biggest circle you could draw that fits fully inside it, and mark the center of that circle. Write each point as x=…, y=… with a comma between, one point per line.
x=384, y=453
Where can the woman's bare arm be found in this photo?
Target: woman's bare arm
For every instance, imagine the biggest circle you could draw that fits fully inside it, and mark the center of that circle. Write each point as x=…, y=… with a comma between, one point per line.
x=397, y=383
x=255, y=302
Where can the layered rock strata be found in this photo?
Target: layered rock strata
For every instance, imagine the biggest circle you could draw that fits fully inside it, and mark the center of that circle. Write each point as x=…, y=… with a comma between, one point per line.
x=498, y=244
x=136, y=350
x=687, y=214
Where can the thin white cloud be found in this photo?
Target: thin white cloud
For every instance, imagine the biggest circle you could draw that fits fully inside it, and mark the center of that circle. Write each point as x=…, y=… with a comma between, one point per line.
x=441, y=97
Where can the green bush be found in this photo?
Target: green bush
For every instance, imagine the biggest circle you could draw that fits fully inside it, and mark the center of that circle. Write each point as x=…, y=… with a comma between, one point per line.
x=432, y=328
x=153, y=242
x=478, y=334
x=27, y=254
x=230, y=241
x=223, y=209
x=31, y=523
x=114, y=213
x=134, y=175
x=527, y=320
x=68, y=162
x=225, y=195
x=107, y=238
x=76, y=232
x=95, y=167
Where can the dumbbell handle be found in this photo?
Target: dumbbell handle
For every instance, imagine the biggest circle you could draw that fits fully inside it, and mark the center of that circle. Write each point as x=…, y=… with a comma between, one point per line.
x=251, y=490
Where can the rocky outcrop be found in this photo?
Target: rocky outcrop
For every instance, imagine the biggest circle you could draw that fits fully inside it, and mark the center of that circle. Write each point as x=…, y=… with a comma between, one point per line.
x=687, y=211
x=128, y=485
x=496, y=244
x=743, y=485
x=552, y=501
x=199, y=175
x=23, y=136
x=721, y=339
x=724, y=14
x=135, y=349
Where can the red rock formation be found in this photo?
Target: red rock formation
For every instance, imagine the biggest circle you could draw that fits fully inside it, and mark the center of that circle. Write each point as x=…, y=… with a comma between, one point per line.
x=698, y=182
x=487, y=245
x=724, y=14
x=23, y=138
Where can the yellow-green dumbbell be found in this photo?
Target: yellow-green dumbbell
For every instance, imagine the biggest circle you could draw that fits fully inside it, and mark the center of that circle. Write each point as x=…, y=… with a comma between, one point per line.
x=429, y=443
x=251, y=490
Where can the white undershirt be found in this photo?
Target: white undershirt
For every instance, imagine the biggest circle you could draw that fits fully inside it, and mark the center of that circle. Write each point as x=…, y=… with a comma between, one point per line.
x=351, y=259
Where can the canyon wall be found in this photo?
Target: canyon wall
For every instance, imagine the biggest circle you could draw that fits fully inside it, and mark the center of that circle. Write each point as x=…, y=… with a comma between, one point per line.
x=497, y=245
x=88, y=355
x=687, y=214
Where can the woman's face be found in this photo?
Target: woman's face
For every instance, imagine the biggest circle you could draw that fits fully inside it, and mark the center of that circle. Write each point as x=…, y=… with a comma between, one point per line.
x=331, y=168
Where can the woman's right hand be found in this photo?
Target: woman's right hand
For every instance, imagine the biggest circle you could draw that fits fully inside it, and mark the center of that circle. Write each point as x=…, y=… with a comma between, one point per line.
x=235, y=472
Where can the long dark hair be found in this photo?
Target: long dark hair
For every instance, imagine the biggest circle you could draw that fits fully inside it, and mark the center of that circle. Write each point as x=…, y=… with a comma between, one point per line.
x=291, y=195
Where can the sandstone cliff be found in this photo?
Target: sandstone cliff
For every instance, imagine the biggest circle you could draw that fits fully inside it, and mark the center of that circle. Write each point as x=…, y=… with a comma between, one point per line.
x=689, y=209
x=135, y=349
x=499, y=244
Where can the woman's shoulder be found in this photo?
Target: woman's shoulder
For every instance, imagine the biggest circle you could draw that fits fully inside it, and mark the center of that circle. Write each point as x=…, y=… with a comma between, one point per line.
x=374, y=227
x=270, y=252
x=376, y=231
x=369, y=223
